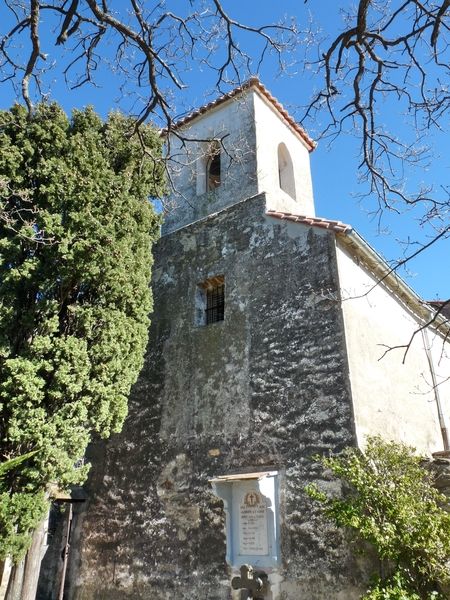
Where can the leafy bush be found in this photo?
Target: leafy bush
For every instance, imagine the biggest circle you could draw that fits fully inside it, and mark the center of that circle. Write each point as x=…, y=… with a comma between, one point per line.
x=391, y=503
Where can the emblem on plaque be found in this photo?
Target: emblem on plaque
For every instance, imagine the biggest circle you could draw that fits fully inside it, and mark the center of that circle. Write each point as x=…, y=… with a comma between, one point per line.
x=252, y=499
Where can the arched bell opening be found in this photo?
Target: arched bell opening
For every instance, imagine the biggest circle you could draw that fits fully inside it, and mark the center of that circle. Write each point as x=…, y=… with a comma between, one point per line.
x=286, y=171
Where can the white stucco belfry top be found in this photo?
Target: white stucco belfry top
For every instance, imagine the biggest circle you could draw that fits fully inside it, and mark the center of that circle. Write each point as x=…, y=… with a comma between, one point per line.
x=262, y=151
x=252, y=83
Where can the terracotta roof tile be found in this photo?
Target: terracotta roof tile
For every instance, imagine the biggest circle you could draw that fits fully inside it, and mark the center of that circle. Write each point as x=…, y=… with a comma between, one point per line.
x=255, y=83
x=336, y=226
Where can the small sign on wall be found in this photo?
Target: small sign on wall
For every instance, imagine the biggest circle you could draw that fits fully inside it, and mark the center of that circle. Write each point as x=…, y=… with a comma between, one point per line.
x=253, y=538
x=252, y=517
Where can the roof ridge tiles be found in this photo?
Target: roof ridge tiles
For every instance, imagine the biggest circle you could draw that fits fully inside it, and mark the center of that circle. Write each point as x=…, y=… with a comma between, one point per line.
x=249, y=83
x=337, y=226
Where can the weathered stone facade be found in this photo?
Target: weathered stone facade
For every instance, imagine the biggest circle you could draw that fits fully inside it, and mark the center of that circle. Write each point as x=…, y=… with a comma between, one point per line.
x=267, y=387
x=290, y=372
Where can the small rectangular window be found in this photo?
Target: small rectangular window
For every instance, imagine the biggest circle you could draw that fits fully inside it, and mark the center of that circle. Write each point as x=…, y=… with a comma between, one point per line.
x=211, y=301
x=215, y=303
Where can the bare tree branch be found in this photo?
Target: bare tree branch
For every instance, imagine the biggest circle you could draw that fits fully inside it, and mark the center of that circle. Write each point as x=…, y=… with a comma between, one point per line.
x=152, y=43
x=35, y=52
x=394, y=49
x=390, y=56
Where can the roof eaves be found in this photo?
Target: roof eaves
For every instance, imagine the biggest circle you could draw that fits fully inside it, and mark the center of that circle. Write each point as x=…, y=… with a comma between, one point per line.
x=386, y=275
x=376, y=264
x=336, y=226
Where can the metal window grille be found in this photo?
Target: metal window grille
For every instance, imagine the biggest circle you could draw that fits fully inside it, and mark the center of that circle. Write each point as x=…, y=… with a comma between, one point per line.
x=215, y=303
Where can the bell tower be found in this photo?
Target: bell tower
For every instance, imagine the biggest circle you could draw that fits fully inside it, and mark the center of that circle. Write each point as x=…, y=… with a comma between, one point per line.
x=241, y=145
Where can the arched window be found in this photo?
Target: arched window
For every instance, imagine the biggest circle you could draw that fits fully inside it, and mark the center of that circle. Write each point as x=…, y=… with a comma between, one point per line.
x=286, y=171
x=213, y=175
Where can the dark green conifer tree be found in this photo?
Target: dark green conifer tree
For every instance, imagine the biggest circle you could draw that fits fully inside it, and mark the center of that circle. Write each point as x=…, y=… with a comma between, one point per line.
x=76, y=231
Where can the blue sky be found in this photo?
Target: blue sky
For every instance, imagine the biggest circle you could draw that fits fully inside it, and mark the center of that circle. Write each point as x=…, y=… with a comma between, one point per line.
x=335, y=173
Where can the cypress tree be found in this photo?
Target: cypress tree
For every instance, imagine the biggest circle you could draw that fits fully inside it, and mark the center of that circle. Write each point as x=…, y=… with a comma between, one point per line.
x=76, y=231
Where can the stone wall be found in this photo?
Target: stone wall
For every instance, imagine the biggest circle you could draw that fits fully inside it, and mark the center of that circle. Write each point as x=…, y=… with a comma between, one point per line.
x=266, y=388
x=440, y=467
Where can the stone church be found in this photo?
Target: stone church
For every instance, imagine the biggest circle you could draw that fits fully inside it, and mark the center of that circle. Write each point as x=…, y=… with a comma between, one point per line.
x=268, y=327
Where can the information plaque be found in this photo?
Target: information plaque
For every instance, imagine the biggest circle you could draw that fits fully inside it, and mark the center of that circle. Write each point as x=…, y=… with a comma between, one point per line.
x=251, y=504
x=253, y=538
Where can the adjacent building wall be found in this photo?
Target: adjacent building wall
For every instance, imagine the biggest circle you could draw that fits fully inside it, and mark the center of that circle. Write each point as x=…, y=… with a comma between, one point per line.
x=267, y=388
x=392, y=390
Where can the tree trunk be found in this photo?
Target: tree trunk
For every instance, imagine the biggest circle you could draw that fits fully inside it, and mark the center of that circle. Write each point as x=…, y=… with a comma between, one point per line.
x=5, y=572
x=25, y=574
x=33, y=561
x=14, y=589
